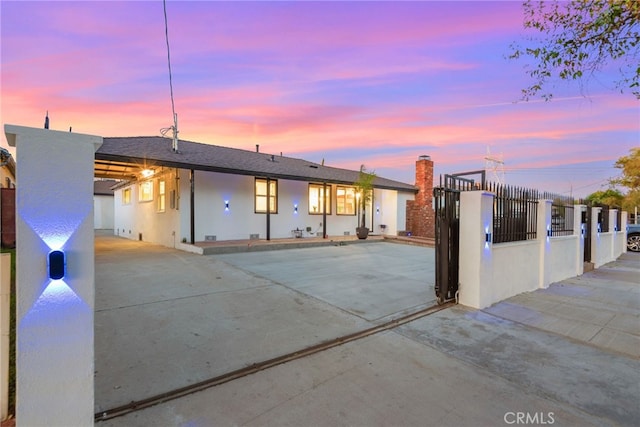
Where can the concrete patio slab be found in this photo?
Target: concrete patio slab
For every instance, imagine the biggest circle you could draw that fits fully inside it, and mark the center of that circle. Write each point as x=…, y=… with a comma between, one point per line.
x=373, y=281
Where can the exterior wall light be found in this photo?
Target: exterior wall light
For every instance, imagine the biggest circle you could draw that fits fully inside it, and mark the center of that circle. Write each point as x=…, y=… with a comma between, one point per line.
x=146, y=173
x=377, y=210
x=226, y=206
x=295, y=209
x=57, y=265
x=487, y=237
x=549, y=232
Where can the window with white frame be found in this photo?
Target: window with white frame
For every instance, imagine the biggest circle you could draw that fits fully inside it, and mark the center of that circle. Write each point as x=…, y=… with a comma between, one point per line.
x=317, y=200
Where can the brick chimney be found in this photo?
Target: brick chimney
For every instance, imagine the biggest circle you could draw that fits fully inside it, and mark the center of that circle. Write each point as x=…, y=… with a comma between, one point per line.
x=420, y=214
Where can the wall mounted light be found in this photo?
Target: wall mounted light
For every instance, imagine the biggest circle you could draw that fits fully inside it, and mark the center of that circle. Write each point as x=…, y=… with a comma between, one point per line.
x=599, y=228
x=377, y=210
x=57, y=265
x=295, y=209
x=226, y=206
x=487, y=237
x=146, y=173
x=549, y=232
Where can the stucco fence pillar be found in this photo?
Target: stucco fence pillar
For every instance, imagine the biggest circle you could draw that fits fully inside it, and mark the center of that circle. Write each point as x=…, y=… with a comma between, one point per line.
x=476, y=265
x=5, y=298
x=622, y=233
x=54, y=316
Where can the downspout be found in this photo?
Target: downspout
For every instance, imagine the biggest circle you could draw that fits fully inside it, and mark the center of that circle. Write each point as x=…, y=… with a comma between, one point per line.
x=268, y=209
x=192, y=179
x=324, y=210
x=373, y=211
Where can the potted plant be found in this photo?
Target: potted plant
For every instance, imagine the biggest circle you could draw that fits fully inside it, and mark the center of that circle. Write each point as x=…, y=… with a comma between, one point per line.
x=364, y=193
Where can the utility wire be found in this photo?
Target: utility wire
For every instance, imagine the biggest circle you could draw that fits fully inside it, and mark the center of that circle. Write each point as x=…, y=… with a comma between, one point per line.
x=166, y=35
x=173, y=108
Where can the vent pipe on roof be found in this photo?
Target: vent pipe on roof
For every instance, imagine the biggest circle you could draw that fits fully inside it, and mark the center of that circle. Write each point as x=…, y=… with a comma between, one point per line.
x=257, y=148
x=46, y=120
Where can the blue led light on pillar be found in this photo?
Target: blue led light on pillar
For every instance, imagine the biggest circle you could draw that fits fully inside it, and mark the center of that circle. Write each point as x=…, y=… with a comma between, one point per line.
x=549, y=231
x=487, y=237
x=226, y=206
x=57, y=265
x=295, y=209
x=377, y=210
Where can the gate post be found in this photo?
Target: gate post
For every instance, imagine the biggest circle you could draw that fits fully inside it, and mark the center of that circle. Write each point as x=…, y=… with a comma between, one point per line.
x=476, y=264
x=55, y=276
x=543, y=231
x=578, y=231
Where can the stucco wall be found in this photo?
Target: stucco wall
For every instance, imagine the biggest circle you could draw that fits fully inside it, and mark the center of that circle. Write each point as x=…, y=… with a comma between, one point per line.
x=54, y=315
x=142, y=219
x=103, y=212
x=214, y=190
x=491, y=272
x=563, y=259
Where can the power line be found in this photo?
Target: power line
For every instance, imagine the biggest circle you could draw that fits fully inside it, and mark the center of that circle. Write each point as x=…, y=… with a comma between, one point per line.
x=173, y=109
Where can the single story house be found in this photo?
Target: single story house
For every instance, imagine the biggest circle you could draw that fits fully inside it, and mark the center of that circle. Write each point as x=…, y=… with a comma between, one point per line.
x=203, y=192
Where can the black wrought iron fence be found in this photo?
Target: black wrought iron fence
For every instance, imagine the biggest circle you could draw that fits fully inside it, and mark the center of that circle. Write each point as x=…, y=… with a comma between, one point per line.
x=562, y=210
x=515, y=213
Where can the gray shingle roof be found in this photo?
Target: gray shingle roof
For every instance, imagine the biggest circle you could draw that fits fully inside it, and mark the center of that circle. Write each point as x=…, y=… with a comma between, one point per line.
x=156, y=151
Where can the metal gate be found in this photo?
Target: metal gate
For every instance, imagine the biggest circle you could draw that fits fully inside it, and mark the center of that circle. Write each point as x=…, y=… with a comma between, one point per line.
x=447, y=216
x=586, y=233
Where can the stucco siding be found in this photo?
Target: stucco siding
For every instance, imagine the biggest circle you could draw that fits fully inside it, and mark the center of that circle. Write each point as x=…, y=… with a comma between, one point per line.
x=225, y=210
x=103, y=212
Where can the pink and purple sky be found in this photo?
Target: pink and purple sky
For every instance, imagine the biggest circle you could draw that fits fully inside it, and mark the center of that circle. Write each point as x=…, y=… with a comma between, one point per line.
x=378, y=83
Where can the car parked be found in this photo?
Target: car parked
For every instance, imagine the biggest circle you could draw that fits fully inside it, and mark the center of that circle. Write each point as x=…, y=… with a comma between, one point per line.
x=633, y=237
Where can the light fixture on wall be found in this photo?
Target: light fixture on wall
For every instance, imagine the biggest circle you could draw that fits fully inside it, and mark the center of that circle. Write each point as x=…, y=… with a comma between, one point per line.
x=146, y=173
x=57, y=265
x=226, y=206
x=295, y=209
x=377, y=210
x=549, y=231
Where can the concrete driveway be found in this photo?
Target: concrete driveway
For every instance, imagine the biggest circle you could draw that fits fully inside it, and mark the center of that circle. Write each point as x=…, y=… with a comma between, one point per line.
x=166, y=319
x=563, y=356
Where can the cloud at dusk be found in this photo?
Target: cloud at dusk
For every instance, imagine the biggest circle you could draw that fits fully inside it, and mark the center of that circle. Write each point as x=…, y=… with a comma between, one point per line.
x=378, y=83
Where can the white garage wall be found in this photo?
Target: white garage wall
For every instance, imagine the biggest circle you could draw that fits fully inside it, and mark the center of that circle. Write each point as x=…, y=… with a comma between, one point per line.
x=103, y=212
